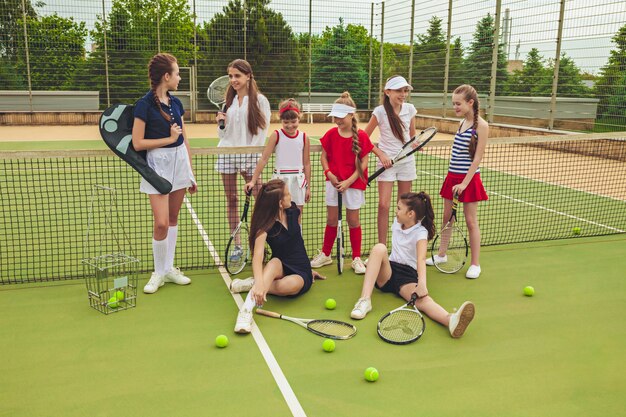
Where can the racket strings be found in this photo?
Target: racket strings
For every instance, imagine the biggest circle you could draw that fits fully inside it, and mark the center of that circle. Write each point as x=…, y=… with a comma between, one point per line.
x=453, y=244
x=401, y=326
x=332, y=328
x=238, y=250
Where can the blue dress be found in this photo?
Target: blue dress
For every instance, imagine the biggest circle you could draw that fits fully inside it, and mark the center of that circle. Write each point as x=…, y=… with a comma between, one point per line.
x=288, y=246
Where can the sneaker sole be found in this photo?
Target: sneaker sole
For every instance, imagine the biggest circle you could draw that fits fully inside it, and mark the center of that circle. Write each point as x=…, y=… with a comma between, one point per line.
x=467, y=315
x=177, y=283
x=321, y=265
x=242, y=331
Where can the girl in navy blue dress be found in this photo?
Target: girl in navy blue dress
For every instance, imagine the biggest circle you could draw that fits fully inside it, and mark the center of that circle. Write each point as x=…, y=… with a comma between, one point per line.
x=288, y=273
x=158, y=128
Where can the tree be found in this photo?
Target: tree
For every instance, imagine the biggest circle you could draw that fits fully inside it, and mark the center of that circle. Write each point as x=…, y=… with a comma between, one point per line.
x=132, y=39
x=11, y=19
x=57, y=47
x=532, y=76
x=338, y=63
x=611, y=84
x=429, y=58
x=570, y=82
x=270, y=46
x=478, y=68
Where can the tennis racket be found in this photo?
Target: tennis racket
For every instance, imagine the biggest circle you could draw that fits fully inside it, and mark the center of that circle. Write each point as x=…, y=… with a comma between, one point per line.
x=332, y=329
x=340, y=243
x=408, y=149
x=403, y=325
x=238, y=248
x=216, y=93
x=451, y=242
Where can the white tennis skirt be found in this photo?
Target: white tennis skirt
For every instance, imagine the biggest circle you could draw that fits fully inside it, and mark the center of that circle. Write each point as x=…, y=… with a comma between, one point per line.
x=173, y=165
x=296, y=182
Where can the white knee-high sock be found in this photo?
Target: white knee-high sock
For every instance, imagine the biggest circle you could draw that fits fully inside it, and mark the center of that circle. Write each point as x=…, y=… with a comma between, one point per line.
x=249, y=303
x=159, y=252
x=172, y=235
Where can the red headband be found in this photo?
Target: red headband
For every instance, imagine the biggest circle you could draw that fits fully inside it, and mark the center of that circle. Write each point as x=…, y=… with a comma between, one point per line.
x=289, y=107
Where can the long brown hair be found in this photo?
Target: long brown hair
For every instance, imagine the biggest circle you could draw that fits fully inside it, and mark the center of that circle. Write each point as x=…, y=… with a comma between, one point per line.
x=420, y=203
x=256, y=119
x=266, y=209
x=159, y=65
x=356, y=147
x=469, y=93
x=397, y=127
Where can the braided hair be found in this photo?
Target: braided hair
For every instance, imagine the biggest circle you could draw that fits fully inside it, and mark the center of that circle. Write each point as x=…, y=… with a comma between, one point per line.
x=469, y=93
x=159, y=65
x=356, y=147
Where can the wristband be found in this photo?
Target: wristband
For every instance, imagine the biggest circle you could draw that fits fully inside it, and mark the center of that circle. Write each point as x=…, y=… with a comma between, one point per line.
x=326, y=171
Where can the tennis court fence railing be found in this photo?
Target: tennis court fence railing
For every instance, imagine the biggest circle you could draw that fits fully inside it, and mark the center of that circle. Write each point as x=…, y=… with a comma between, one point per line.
x=540, y=188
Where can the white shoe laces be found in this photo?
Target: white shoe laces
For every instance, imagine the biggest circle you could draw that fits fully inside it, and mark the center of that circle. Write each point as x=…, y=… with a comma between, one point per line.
x=361, y=305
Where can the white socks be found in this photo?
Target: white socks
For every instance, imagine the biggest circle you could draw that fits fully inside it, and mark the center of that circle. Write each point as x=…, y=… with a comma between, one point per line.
x=249, y=304
x=172, y=235
x=159, y=252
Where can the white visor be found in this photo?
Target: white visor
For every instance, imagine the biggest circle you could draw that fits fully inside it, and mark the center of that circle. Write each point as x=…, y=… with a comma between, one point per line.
x=341, y=110
x=396, y=83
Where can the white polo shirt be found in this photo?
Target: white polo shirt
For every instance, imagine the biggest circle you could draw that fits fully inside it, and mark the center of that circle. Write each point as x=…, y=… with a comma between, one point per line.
x=404, y=243
x=388, y=143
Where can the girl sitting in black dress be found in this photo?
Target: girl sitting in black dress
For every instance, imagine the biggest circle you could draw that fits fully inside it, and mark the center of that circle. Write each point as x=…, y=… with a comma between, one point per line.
x=288, y=273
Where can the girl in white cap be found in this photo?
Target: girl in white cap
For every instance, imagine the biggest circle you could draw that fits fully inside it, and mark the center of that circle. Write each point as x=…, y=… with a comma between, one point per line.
x=293, y=155
x=395, y=120
x=246, y=119
x=345, y=150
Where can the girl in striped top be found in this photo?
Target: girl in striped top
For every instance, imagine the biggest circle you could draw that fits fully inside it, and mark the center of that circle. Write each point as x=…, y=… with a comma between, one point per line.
x=464, y=172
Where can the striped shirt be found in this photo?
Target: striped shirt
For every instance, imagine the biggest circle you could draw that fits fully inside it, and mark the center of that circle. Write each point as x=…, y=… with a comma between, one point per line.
x=460, y=160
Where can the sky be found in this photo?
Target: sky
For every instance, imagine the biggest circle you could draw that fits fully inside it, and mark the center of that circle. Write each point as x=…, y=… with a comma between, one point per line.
x=587, y=32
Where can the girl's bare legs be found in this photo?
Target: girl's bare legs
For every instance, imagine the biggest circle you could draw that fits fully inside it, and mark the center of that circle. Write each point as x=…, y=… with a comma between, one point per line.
x=426, y=305
x=444, y=240
x=471, y=219
x=385, y=189
x=378, y=270
x=230, y=191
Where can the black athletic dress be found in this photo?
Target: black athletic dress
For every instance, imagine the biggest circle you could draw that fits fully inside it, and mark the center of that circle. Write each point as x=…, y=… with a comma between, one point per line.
x=288, y=246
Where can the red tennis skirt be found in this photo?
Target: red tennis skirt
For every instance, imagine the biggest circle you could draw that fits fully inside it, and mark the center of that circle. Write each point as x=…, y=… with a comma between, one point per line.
x=474, y=191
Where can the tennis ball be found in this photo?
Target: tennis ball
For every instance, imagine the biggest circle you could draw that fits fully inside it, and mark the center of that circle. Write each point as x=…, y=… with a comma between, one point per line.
x=529, y=291
x=576, y=230
x=328, y=345
x=120, y=295
x=371, y=374
x=221, y=341
x=330, y=304
x=113, y=302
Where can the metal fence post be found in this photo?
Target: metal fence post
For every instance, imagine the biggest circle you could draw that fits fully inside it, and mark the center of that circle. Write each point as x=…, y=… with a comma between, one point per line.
x=494, y=63
x=446, y=71
x=106, y=55
x=369, y=86
x=310, y=116
x=158, y=16
x=382, y=44
x=30, y=86
x=557, y=62
x=412, y=35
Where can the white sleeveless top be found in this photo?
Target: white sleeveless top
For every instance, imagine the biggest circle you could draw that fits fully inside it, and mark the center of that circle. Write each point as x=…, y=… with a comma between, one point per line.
x=289, y=150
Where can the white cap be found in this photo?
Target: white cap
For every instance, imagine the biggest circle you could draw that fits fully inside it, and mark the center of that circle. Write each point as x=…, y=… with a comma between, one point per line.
x=341, y=110
x=397, y=83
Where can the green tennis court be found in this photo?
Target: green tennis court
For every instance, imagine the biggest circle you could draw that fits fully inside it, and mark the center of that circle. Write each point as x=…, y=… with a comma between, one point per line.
x=558, y=353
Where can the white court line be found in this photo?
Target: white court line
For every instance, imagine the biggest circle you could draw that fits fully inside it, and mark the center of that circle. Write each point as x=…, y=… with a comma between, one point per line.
x=277, y=373
x=517, y=200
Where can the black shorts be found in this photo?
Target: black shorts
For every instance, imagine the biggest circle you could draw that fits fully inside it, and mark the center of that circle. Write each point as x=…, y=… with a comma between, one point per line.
x=306, y=275
x=400, y=276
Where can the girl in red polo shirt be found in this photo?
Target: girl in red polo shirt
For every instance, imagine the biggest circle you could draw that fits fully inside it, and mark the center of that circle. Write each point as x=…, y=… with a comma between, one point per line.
x=345, y=150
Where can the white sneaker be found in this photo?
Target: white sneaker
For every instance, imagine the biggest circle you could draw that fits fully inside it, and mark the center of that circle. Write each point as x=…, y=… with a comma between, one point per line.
x=361, y=308
x=153, y=285
x=358, y=266
x=461, y=319
x=320, y=260
x=438, y=259
x=473, y=272
x=241, y=285
x=176, y=277
x=244, y=321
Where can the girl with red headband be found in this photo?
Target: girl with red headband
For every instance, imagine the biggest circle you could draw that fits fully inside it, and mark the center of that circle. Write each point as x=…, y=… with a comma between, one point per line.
x=293, y=160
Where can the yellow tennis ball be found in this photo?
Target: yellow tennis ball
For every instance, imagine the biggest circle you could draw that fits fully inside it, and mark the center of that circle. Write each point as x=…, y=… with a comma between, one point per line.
x=529, y=291
x=120, y=295
x=576, y=230
x=328, y=345
x=113, y=302
x=221, y=341
x=330, y=304
x=371, y=374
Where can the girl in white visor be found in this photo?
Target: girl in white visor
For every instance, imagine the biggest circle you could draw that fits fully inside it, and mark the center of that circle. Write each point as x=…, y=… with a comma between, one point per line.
x=395, y=120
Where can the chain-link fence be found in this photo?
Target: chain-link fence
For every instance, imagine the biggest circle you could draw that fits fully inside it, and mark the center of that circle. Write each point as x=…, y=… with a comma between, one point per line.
x=553, y=63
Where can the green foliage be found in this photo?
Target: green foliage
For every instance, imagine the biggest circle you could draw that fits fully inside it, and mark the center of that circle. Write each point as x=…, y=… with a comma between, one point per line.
x=611, y=85
x=11, y=28
x=56, y=46
x=479, y=60
x=277, y=58
x=533, y=75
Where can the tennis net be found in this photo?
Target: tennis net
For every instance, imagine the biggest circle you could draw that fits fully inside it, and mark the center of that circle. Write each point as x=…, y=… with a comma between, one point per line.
x=540, y=188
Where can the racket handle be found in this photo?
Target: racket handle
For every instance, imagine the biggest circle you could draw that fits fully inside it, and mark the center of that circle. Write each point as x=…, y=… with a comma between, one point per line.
x=221, y=125
x=374, y=175
x=267, y=313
